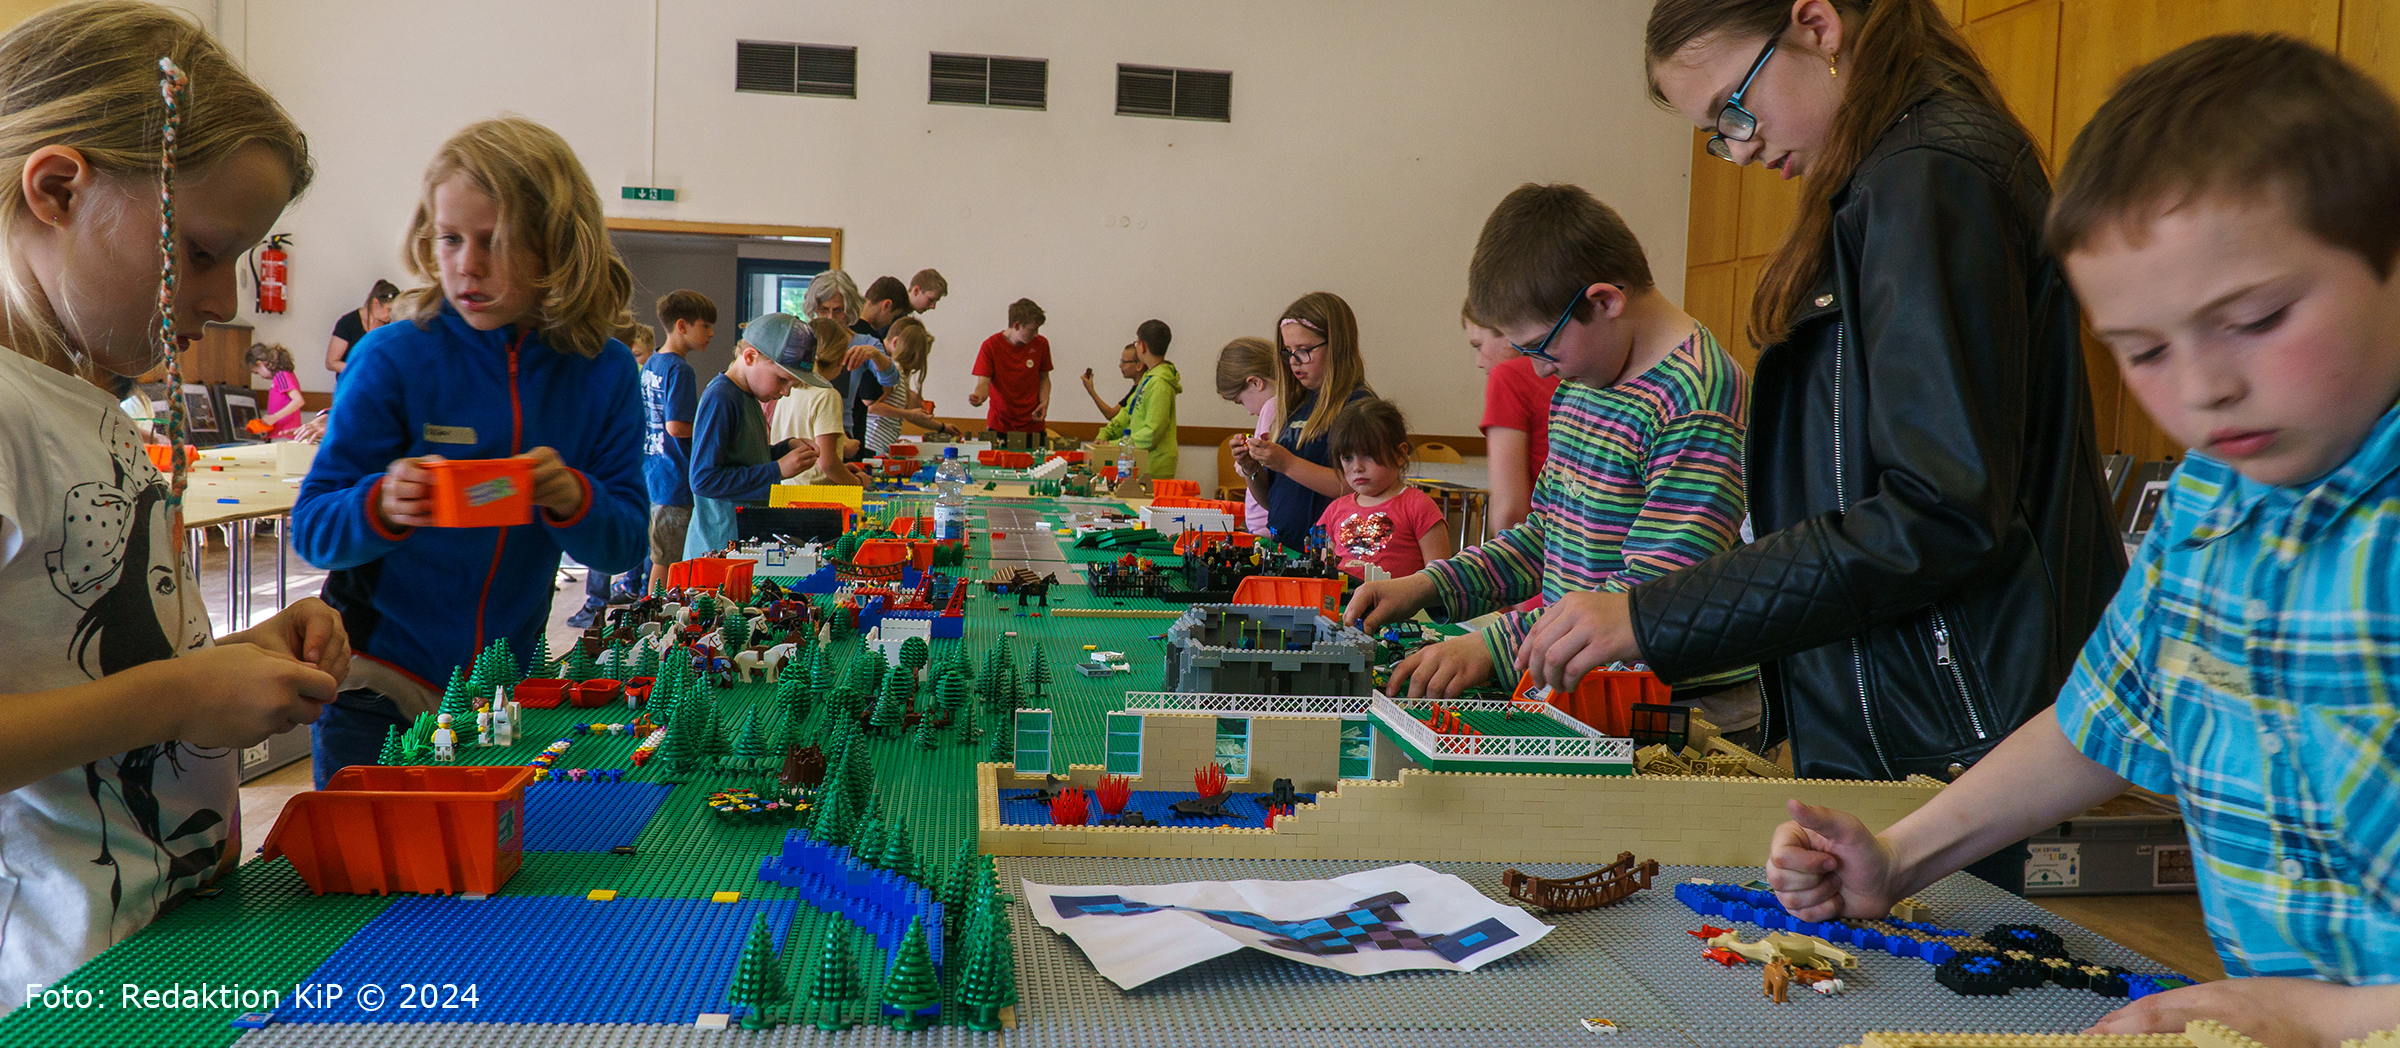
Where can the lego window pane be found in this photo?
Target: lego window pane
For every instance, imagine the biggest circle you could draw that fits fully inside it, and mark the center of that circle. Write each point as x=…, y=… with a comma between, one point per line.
x=1358, y=750
x=1033, y=742
x=1233, y=746
x=1124, y=744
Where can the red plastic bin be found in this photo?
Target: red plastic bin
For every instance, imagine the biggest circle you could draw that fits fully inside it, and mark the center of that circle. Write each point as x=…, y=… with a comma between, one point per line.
x=1604, y=699
x=637, y=691
x=482, y=493
x=540, y=693
x=433, y=830
x=597, y=692
x=1325, y=595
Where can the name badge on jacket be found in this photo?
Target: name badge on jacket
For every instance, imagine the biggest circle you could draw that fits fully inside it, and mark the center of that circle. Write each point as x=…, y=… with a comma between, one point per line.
x=449, y=434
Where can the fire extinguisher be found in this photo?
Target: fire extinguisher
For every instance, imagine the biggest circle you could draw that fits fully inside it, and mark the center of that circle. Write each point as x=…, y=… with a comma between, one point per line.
x=271, y=270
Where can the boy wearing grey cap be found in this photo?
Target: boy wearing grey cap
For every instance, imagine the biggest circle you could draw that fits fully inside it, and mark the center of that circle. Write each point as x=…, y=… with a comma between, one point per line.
x=732, y=462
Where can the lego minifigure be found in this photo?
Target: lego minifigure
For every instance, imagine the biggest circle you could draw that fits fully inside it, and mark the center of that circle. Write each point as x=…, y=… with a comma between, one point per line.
x=483, y=726
x=445, y=741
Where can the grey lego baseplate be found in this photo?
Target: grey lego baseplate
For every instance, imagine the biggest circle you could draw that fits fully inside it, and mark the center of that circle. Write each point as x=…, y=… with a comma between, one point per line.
x=1023, y=541
x=621, y=1035
x=1634, y=964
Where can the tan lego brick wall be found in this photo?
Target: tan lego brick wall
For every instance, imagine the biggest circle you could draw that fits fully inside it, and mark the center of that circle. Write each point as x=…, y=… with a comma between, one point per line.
x=1306, y=750
x=1473, y=817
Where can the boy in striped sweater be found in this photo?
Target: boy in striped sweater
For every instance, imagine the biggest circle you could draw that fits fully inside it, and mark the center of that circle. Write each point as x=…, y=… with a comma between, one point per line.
x=1645, y=446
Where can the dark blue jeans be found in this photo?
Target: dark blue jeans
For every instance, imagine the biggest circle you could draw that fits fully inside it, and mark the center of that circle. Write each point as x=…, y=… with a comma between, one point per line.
x=351, y=731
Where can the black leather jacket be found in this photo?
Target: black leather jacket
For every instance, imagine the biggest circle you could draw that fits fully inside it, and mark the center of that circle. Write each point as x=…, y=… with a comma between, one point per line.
x=1934, y=539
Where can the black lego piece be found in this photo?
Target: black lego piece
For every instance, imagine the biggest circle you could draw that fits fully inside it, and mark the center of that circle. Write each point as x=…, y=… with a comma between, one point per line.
x=1283, y=796
x=1974, y=975
x=2031, y=938
x=1203, y=807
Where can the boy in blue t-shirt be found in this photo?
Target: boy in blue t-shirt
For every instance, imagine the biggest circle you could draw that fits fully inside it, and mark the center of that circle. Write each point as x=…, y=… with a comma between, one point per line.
x=732, y=462
x=670, y=399
x=2227, y=220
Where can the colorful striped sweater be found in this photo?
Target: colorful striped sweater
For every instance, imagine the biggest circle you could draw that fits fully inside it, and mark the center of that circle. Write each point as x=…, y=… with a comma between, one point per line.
x=1644, y=477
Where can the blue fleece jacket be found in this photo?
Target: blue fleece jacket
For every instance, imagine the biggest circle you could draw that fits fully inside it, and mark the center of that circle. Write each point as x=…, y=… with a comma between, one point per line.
x=425, y=600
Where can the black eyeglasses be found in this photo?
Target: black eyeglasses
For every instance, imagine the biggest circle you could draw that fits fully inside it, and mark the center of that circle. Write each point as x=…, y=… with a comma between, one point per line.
x=1541, y=350
x=1301, y=354
x=1735, y=123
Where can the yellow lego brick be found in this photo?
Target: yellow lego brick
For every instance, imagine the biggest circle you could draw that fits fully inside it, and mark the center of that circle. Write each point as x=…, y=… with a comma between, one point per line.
x=601, y=895
x=726, y=897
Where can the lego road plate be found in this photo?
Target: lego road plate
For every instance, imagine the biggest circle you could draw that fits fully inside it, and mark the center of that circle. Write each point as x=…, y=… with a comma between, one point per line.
x=1385, y=920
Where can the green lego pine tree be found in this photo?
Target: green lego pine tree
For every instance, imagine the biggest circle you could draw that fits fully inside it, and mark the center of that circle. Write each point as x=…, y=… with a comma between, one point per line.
x=891, y=708
x=681, y=750
x=538, y=664
x=1038, y=677
x=899, y=852
x=393, y=755
x=1003, y=748
x=987, y=981
x=751, y=749
x=867, y=841
x=951, y=695
x=913, y=984
x=645, y=662
x=458, y=699
x=834, y=983
x=926, y=738
x=620, y=662
x=417, y=745
x=737, y=633
x=860, y=782
x=704, y=610
x=505, y=671
x=956, y=890
x=758, y=977
x=969, y=731
x=579, y=664
x=479, y=682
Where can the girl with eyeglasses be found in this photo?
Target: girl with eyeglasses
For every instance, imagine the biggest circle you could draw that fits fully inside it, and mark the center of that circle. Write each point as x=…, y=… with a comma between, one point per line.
x=1317, y=363
x=1934, y=542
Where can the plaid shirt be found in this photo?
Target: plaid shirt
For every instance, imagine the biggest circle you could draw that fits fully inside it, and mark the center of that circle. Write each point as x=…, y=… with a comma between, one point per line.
x=2248, y=667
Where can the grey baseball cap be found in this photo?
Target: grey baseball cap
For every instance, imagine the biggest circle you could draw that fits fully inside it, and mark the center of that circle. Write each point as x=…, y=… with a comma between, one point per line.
x=787, y=342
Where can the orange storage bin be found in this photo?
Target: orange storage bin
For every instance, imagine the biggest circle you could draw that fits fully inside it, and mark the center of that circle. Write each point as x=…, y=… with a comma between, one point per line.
x=728, y=575
x=597, y=692
x=1171, y=488
x=539, y=693
x=1322, y=594
x=482, y=493
x=1604, y=698
x=909, y=451
x=162, y=456
x=435, y=830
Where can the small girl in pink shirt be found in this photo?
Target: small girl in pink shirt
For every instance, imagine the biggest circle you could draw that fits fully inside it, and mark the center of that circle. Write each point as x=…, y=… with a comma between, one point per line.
x=274, y=363
x=1381, y=521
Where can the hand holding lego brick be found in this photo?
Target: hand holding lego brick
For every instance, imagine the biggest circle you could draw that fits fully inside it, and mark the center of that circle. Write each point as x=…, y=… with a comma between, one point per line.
x=2271, y=1011
x=1379, y=604
x=1443, y=671
x=1826, y=864
x=235, y=695
x=308, y=630
x=555, y=487
x=802, y=456
x=1580, y=633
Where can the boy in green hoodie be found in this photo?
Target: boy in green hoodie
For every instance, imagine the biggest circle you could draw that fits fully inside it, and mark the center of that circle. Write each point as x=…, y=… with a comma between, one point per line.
x=1148, y=418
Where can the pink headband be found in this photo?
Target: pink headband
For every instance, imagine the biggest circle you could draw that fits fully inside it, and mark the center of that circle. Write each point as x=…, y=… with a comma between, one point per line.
x=1303, y=322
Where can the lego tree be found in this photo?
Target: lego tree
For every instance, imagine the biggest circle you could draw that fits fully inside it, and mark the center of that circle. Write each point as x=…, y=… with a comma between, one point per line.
x=952, y=694
x=705, y=609
x=791, y=700
x=620, y=661
x=579, y=663
x=719, y=743
x=417, y=746
x=867, y=841
x=393, y=754
x=956, y=889
x=860, y=765
x=899, y=852
x=834, y=983
x=681, y=750
x=891, y=708
x=913, y=985
x=645, y=662
x=758, y=976
x=914, y=654
x=987, y=980
x=751, y=749
x=1038, y=677
x=504, y=665
x=926, y=738
x=537, y=664
x=478, y=684
x=1003, y=748
x=737, y=632
x=458, y=700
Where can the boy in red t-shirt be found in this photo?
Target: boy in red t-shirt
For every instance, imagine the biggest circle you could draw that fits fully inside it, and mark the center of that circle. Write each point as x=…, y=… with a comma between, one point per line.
x=1381, y=521
x=1012, y=370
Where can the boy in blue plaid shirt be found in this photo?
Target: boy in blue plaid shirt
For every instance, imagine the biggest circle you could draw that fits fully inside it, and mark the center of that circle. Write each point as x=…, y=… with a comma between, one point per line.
x=2230, y=220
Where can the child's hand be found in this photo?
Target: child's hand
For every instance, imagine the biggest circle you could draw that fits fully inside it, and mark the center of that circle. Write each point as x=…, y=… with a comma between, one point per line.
x=1443, y=671
x=405, y=498
x=1270, y=455
x=555, y=487
x=975, y=400
x=1579, y=634
x=1087, y=380
x=235, y=695
x=308, y=630
x=802, y=456
x=2272, y=1011
x=859, y=356
x=1377, y=604
x=1826, y=864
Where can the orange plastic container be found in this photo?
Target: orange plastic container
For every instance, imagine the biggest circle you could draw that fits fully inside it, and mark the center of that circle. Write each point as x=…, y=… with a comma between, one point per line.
x=1171, y=488
x=597, y=692
x=908, y=451
x=482, y=493
x=1604, y=698
x=1196, y=540
x=1189, y=502
x=726, y=574
x=1322, y=594
x=540, y=693
x=162, y=456
x=377, y=830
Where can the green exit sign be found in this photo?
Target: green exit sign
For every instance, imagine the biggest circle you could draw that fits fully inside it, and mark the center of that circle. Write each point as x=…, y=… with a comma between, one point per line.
x=649, y=193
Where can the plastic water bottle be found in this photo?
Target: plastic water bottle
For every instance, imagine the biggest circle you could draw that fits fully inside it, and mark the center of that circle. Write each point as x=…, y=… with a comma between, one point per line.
x=1124, y=464
x=950, y=496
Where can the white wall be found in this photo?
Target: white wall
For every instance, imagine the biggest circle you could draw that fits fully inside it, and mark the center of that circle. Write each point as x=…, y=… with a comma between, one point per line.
x=1369, y=139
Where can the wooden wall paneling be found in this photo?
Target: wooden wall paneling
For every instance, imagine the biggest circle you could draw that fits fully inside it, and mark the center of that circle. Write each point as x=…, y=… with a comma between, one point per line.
x=1716, y=207
x=2108, y=390
x=1769, y=203
x=2019, y=44
x=1977, y=9
x=1736, y=335
x=2101, y=40
x=1954, y=10
x=1708, y=296
x=2371, y=38
x=216, y=358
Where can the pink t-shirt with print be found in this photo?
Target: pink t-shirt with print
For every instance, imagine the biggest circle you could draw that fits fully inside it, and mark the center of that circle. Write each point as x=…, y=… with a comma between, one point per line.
x=1385, y=535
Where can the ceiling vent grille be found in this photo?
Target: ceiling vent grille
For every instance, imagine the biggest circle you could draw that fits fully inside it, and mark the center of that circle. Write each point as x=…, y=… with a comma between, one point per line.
x=985, y=80
x=1183, y=94
x=769, y=67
